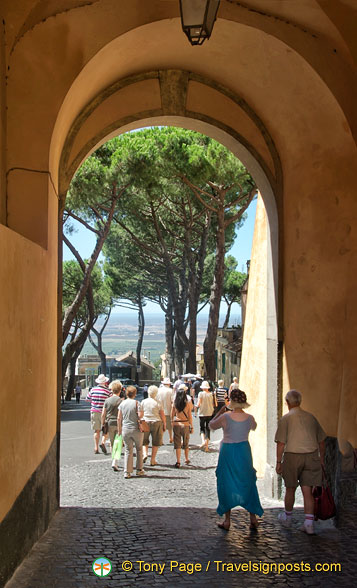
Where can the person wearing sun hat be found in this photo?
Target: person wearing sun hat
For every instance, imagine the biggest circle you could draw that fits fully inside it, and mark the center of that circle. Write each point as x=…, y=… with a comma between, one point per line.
x=236, y=476
x=205, y=405
x=97, y=396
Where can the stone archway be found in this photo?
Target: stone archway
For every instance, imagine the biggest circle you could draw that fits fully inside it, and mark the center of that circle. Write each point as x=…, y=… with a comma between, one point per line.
x=294, y=69
x=176, y=95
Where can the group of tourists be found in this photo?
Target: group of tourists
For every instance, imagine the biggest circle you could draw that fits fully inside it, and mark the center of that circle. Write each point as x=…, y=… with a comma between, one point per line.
x=299, y=438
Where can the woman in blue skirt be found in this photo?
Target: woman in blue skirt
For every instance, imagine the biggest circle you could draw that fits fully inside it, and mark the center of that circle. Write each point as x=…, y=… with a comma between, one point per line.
x=236, y=477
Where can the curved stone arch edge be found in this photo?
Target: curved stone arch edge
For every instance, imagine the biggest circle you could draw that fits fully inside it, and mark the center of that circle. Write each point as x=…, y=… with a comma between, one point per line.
x=157, y=118
x=159, y=75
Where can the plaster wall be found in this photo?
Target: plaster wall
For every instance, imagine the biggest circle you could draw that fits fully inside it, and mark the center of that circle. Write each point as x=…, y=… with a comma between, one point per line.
x=28, y=326
x=253, y=371
x=320, y=243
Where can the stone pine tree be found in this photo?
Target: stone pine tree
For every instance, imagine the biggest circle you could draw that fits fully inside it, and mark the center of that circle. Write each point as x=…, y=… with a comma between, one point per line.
x=130, y=280
x=91, y=201
x=183, y=196
x=96, y=303
x=227, y=196
x=172, y=166
x=232, y=283
x=96, y=333
x=171, y=229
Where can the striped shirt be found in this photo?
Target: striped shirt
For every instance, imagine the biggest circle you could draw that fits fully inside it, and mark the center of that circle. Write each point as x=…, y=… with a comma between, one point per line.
x=221, y=394
x=97, y=396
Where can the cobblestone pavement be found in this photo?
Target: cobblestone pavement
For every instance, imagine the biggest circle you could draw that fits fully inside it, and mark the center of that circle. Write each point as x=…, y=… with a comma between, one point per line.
x=169, y=518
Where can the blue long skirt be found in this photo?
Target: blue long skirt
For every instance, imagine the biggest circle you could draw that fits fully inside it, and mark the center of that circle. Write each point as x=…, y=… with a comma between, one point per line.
x=236, y=479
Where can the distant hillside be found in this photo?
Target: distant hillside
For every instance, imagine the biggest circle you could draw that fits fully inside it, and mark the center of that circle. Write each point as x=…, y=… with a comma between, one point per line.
x=121, y=334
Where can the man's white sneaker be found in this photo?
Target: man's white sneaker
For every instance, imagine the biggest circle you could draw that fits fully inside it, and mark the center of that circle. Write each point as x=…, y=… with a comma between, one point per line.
x=309, y=529
x=127, y=476
x=284, y=520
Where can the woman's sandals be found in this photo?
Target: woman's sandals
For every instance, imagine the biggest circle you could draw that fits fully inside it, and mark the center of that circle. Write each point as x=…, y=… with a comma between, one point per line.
x=223, y=526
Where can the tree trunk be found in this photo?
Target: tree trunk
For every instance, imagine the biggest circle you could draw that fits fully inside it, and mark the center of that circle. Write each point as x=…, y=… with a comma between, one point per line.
x=99, y=349
x=72, y=377
x=99, y=345
x=228, y=315
x=192, y=340
x=209, y=344
x=72, y=310
x=76, y=350
x=179, y=356
x=74, y=346
x=169, y=339
x=77, y=342
x=103, y=359
x=141, y=328
x=196, y=267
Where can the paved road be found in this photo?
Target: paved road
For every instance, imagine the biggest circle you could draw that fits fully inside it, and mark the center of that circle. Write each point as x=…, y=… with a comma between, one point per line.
x=169, y=516
x=193, y=485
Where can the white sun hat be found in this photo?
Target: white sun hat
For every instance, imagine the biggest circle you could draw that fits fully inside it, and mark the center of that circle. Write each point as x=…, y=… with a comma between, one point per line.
x=102, y=379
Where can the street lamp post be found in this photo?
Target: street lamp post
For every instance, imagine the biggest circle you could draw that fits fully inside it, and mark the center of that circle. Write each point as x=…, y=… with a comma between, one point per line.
x=197, y=18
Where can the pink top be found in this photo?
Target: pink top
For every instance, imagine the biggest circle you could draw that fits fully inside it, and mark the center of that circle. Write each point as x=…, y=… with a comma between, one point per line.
x=235, y=425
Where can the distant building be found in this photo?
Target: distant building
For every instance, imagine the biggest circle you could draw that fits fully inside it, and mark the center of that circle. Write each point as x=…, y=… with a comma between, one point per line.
x=117, y=367
x=146, y=367
x=165, y=368
x=243, y=298
x=228, y=354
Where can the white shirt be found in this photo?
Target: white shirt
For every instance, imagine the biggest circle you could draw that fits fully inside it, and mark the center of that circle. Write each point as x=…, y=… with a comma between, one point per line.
x=165, y=397
x=177, y=384
x=206, y=407
x=151, y=410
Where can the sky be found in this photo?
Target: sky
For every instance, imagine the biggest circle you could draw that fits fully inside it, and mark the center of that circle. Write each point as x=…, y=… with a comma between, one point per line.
x=84, y=241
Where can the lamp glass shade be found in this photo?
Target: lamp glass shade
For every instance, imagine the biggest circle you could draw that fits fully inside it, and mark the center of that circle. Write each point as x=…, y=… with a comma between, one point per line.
x=198, y=17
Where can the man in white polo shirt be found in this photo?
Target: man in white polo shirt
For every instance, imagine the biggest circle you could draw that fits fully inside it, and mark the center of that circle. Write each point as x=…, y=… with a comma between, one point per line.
x=165, y=397
x=300, y=457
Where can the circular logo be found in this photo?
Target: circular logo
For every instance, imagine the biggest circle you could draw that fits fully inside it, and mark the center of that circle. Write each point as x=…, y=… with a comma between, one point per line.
x=102, y=566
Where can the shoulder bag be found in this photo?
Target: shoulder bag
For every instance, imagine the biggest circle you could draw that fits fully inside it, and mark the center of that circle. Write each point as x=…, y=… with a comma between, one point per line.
x=324, y=503
x=144, y=427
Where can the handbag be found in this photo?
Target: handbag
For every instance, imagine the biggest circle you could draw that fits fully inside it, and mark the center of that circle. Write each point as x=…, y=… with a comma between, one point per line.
x=117, y=447
x=324, y=503
x=144, y=427
x=105, y=428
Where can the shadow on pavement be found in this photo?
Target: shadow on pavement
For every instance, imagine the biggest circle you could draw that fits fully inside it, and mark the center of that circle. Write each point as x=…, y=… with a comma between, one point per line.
x=137, y=540
x=70, y=411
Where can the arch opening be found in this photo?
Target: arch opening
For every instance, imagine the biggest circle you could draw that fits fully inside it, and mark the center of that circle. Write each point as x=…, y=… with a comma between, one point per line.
x=268, y=300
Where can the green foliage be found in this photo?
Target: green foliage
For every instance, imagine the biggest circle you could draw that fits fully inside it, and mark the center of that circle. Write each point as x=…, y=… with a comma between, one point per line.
x=159, y=220
x=72, y=278
x=91, y=183
x=232, y=281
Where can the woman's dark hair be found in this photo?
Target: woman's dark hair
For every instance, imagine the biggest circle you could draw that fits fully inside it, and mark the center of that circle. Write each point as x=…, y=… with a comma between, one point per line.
x=180, y=400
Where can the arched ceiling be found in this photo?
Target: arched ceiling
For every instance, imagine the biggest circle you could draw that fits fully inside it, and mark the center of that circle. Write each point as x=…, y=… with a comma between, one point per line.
x=276, y=82
x=328, y=18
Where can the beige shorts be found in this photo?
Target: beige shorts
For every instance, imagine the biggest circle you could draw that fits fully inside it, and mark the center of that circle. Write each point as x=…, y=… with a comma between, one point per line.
x=168, y=422
x=96, y=420
x=302, y=468
x=156, y=434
